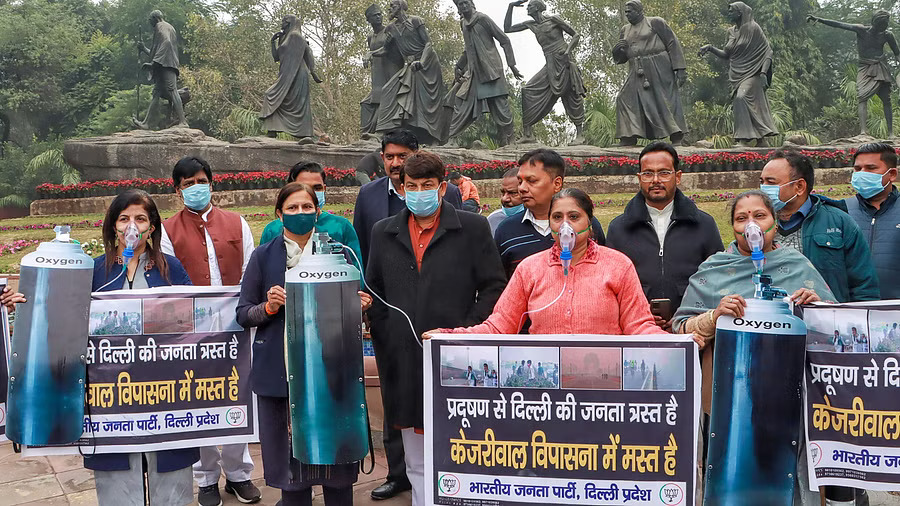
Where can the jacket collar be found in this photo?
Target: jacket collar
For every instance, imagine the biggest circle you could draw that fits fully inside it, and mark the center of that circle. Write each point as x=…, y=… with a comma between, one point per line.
x=887, y=204
x=821, y=200
x=591, y=256
x=636, y=211
x=399, y=224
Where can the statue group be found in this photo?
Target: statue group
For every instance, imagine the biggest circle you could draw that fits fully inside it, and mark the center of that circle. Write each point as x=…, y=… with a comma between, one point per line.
x=408, y=88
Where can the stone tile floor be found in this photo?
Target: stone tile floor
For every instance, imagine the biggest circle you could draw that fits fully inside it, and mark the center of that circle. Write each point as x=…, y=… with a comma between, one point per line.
x=63, y=480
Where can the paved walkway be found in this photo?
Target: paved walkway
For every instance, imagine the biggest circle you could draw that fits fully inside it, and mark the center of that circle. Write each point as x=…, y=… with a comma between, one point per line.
x=63, y=480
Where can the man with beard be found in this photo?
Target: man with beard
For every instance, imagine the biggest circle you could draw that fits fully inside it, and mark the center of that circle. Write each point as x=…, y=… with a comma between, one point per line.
x=660, y=215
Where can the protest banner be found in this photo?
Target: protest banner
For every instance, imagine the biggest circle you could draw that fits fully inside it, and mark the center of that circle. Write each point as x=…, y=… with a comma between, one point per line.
x=4, y=361
x=167, y=368
x=851, y=383
x=561, y=419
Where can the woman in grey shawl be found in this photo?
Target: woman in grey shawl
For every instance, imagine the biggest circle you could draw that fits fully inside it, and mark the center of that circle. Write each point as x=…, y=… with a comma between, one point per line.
x=286, y=106
x=750, y=73
x=724, y=281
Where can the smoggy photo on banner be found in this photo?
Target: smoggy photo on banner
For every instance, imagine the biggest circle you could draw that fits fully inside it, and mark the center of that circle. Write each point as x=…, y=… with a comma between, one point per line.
x=561, y=427
x=850, y=393
x=171, y=384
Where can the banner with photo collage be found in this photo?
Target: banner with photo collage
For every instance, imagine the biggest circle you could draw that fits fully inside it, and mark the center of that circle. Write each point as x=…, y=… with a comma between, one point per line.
x=167, y=368
x=561, y=419
x=4, y=361
x=851, y=389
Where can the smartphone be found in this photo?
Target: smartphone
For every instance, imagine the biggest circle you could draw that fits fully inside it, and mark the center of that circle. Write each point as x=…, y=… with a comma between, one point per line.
x=662, y=308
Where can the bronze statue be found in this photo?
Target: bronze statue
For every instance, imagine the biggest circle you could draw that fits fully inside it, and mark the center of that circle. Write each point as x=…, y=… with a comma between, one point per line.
x=163, y=70
x=874, y=76
x=286, y=105
x=381, y=68
x=649, y=105
x=750, y=74
x=559, y=79
x=480, y=85
x=412, y=96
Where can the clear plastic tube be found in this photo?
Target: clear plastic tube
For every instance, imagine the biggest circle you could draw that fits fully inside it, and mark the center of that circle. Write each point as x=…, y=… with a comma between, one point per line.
x=366, y=285
x=566, y=244
x=522, y=320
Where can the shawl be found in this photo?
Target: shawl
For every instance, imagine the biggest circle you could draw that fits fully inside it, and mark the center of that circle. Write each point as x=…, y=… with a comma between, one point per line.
x=730, y=272
x=291, y=53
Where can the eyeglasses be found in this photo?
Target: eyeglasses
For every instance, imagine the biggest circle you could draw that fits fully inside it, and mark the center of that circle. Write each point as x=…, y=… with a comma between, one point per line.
x=663, y=175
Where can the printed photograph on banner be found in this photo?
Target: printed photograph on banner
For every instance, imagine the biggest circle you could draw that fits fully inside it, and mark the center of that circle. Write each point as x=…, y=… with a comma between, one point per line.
x=653, y=369
x=469, y=366
x=168, y=316
x=215, y=314
x=841, y=331
x=591, y=368
x=529, y=367
x=884, y=331
x=120, y=317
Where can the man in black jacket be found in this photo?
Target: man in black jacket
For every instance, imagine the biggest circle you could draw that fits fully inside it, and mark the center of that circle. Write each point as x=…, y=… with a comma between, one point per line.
x=662, y=231
x=439, y=266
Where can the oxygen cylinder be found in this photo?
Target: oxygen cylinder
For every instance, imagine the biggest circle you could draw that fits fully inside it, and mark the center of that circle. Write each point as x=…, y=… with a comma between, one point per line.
x=47, y=356
x=324, y=358
x=756, y=415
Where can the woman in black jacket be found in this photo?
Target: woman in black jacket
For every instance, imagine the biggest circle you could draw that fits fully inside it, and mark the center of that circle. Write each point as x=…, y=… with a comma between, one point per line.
x=261, y=305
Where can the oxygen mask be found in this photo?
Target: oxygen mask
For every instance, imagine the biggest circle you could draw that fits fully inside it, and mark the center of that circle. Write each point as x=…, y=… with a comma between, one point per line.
x=132, y=236
x=756, y=239
x=567, y=244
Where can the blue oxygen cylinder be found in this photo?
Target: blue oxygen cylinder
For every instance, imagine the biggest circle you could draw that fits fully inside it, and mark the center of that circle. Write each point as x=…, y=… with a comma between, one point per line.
x=47, y=356
x=324, y=358
x=756, y=415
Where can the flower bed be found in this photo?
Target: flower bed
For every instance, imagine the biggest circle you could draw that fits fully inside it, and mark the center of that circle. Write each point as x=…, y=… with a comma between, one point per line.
x=16, y=246
x=601, y=165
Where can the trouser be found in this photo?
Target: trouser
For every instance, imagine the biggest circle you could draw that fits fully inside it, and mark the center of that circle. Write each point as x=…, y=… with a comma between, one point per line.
x=234, y=460
x=334, y=496
x=414, y=451
x=127, y=488
x=393, y=451
x=470, y=205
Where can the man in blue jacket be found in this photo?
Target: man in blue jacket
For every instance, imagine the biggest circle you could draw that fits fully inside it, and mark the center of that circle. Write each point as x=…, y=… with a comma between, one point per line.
x=819, y=227
x=874, y=209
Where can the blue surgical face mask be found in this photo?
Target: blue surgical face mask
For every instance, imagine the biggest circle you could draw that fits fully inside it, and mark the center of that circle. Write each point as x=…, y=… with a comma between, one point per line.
x=321, y=196
x=197, y=196
x=773, y=191
x=509, y=211
x=423, y=203
x=867, y=184
x=300, y=223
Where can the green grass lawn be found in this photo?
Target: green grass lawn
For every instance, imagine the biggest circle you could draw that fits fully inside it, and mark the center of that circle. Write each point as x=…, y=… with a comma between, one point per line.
x=609, y=206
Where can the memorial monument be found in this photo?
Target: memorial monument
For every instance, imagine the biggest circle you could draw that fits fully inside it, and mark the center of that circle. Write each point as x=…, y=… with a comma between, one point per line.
x=750, y=74
x=559, y=79
x=649, y=105
x=163, y=71
x=286, y=105
x=874, y=76
x=412, y=96
x=381, y=68
x=480, y=85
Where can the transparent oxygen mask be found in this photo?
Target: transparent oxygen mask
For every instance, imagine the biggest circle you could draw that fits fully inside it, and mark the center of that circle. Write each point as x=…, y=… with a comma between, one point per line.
x=566, y=244
x=132, y=237
x=755, y=239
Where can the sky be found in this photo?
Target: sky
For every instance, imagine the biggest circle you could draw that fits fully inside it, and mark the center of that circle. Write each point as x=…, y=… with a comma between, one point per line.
x=529, y=57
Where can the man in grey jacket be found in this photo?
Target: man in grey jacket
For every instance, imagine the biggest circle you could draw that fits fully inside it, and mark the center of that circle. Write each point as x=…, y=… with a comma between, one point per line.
x=874, y=209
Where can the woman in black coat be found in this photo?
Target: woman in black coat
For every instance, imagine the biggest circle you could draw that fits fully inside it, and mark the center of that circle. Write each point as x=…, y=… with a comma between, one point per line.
x=261, y=305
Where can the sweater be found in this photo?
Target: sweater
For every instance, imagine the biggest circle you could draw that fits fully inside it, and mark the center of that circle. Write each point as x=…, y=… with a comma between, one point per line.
x=602, y=295
x=517, y=239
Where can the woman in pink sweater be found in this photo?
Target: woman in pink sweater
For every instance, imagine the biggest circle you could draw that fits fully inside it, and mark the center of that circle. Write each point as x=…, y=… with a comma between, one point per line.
x=602, y=295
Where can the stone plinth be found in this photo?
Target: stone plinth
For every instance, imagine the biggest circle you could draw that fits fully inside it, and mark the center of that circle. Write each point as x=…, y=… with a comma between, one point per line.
x=487, y=188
